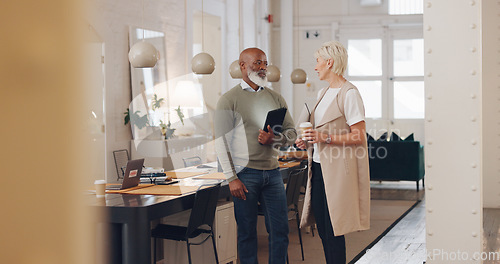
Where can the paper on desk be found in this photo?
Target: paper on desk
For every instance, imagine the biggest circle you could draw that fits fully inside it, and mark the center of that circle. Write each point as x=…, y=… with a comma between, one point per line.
x=214, y=176
x=152, y=170
x=173, y=189
x=183, y=174
x=289, y=164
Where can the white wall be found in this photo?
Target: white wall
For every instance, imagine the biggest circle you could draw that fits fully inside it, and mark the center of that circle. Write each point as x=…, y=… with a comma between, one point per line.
x=112, y=19
x=453, y=149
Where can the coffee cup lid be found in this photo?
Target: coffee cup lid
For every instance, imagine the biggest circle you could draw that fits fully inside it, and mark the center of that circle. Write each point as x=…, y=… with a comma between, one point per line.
x=305, y=124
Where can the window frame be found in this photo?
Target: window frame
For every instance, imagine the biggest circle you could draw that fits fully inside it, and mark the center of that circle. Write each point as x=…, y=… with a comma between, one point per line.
x=387, y=34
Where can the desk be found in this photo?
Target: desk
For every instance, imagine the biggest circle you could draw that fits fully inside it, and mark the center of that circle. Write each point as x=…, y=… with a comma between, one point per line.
x=130, y=219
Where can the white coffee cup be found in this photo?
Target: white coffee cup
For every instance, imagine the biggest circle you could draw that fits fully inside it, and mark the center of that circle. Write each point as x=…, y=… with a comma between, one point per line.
x=303, y=127
x=100, y=188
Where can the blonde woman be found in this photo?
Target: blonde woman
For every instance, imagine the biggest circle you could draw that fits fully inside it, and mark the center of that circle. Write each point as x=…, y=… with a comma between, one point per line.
x=338, y=187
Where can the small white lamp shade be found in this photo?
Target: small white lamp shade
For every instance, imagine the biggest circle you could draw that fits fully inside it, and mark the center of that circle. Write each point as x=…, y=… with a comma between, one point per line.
x=273, y=73
x=299, y=76
x=235, y=71
x=203, y=63
x=143, y=55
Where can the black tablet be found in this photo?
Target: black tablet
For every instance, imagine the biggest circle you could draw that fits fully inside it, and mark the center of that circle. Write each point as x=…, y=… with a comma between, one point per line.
x=275, y=119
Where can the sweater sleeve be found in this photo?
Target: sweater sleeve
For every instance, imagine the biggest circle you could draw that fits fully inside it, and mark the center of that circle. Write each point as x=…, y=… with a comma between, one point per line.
x=224, y=127
x=288, y=134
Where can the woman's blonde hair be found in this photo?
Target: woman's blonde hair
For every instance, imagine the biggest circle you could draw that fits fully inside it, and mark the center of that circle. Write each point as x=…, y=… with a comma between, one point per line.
x=336, y=51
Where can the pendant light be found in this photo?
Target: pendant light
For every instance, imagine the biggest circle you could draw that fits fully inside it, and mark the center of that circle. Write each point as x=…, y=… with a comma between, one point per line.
x=235, y=71
x=298, y=75
x=203, y=63
x=273, y=73
x=143, y=54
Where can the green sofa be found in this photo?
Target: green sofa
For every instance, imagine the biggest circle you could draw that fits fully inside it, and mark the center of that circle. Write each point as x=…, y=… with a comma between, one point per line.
x=396, y=161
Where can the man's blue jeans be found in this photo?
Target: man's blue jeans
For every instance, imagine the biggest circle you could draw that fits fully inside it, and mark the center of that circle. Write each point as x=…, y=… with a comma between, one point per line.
x=266, y=187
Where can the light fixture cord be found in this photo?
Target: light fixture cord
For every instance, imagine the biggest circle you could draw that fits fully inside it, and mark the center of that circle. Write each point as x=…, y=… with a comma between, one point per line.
x=202, y=32
x=143, y=29
x=185, y=38
x=298, y=33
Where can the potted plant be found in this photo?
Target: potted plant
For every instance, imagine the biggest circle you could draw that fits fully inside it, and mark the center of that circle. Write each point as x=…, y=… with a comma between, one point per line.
x=141, y=121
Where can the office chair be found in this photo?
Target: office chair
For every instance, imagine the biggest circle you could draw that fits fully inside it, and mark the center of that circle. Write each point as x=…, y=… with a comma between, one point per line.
x=295, y=181
x=302, y=192
x=202, y=214
x=191, y=161
x=121, y=158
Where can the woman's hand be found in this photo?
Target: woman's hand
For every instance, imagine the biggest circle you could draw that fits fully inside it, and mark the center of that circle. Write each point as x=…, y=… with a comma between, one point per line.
x=300, y=143
x=313, y=136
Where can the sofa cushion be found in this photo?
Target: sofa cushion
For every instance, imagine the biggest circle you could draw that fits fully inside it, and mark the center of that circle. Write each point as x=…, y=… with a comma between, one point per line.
x=383, y=137
x=394, y=137
x=409, y=138
x=396, y=160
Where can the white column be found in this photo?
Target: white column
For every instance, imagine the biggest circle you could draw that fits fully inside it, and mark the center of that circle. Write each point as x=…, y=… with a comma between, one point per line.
x=248, y=24
x=286, y=30
x=491, y=103
x=453, y=146
x=232, y=39
x=263, y=27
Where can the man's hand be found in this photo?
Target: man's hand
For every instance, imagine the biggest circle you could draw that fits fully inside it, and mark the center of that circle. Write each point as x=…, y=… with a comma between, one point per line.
x=238, y=189
x=266, y=138
x=300, y=143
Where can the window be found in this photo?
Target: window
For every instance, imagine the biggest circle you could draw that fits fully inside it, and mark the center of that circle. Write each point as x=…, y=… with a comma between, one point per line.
x=365, y=71
x=408, y=57
x=406, y=7
x=365, y=57
x=408, y=84
x=371, y=93
x=409, y=100
x=389, y=73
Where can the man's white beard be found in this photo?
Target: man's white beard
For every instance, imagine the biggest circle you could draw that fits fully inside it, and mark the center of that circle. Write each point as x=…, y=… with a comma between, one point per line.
x=255, y=78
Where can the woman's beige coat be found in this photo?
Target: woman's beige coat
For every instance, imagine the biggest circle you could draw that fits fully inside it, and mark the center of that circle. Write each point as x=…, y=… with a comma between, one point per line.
x=345, y=172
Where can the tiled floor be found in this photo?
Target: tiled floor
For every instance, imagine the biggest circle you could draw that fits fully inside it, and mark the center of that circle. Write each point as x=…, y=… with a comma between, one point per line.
x=405, y=242
x=313, y=249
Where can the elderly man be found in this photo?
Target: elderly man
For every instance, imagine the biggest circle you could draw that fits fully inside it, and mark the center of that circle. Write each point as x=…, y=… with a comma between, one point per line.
x=248, y=156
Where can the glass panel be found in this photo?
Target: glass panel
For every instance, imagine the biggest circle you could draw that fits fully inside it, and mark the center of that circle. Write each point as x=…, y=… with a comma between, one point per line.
x=365, y=57
x=406, y=7
x=409, y=57
x=409, y=100
x=371, y=92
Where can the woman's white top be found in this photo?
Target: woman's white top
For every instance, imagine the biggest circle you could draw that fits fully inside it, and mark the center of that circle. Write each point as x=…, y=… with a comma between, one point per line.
x=353, y=110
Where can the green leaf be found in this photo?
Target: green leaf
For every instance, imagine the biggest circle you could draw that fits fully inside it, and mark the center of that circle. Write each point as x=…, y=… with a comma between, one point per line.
x=156, y=103
x=138, y=120
x=180, y=114
x=126, y=119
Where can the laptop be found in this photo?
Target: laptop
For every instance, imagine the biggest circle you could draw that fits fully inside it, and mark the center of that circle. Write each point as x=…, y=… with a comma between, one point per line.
x=132, y=176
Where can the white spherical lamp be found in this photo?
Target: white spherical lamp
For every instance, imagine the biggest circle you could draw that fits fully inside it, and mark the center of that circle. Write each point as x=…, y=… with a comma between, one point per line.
x=298, y=76
x=273, y=73
x=235, y=71
x=203, y=63
x=143, y=55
